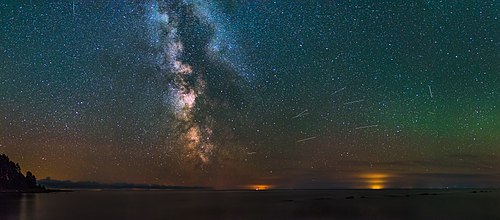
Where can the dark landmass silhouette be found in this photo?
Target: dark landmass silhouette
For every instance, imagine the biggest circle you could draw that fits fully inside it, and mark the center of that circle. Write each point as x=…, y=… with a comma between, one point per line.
x=13, y=180
x=66, y=184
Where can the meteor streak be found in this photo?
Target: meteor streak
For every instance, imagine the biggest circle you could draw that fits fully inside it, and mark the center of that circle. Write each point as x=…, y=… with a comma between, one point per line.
x=306, y=139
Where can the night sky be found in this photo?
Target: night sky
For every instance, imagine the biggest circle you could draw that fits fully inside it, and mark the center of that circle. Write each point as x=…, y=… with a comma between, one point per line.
x=230, y=94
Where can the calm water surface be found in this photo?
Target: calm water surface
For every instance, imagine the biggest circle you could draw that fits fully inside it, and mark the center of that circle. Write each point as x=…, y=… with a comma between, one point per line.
x=286, y=204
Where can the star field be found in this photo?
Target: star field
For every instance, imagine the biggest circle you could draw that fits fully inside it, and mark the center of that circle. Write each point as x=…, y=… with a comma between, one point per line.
x=235, y=93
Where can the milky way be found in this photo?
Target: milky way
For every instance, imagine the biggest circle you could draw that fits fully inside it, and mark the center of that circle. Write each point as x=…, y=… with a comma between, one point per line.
x=185, y=84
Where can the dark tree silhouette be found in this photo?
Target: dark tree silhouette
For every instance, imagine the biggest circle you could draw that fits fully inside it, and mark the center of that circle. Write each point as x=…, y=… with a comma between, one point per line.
x=11, y=177
x=30, y=180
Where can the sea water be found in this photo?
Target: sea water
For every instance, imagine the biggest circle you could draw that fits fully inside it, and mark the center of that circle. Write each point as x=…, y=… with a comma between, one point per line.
x=273, y=204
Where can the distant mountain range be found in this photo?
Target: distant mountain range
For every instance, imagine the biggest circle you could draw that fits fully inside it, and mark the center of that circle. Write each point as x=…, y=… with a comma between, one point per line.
x=12, y=179
x=66, y=184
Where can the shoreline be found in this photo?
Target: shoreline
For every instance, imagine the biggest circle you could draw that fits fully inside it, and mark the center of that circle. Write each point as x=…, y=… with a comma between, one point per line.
x=34, y=191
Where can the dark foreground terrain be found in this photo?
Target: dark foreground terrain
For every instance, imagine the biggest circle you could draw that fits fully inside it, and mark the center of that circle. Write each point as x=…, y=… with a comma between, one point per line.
x=279, y=204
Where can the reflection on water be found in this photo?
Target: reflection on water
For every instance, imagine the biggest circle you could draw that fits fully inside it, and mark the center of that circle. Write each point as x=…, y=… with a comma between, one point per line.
x=17, y=206
x=283, y=204
x=27, y=205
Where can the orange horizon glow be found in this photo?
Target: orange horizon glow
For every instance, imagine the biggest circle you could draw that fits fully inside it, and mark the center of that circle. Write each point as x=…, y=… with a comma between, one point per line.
x=374, y=186
x=375, y=180
x=259, y=187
